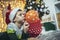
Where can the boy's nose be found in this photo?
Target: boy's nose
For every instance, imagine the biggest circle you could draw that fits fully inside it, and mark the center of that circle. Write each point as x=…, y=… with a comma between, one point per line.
x=23, y=15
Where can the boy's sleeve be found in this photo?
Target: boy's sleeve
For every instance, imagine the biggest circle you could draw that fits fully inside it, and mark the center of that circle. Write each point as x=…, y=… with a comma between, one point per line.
x=12, y=36
x=10, y=28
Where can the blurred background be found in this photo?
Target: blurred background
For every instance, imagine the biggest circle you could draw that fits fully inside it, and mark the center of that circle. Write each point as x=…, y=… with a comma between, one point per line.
x=40, y=5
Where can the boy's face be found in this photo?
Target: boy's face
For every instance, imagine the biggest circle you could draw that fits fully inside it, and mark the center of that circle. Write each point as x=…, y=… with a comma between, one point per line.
x=19, y=16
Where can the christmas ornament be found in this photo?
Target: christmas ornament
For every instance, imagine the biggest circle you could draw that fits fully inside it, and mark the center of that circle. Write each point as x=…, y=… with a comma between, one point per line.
x=32, y=16
x=7, y=14
x=34, y=22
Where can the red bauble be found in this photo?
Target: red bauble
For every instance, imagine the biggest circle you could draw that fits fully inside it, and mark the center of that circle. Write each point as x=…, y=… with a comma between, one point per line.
x=35, y=29
x=7, y=14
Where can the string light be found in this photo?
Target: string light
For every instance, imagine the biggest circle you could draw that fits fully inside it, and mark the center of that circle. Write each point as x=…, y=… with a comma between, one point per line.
x=0, y=30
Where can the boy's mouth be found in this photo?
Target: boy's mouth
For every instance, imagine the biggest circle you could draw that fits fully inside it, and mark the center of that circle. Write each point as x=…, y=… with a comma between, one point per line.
x=20, y=22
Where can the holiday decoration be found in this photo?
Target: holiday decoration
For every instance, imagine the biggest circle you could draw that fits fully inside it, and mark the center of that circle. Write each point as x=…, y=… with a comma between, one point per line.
x=38, y=5
x=20, y=4
x=35, y=23
x=7, y=14
x=2, y=21
x=32, y=16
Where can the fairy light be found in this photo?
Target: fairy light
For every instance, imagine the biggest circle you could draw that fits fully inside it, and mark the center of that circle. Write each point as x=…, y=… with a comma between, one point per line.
x=1, y=21
x=1, y=17
x=0, y=30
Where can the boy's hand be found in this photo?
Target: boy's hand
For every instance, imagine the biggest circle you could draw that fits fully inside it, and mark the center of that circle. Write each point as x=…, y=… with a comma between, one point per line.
x=26, y=25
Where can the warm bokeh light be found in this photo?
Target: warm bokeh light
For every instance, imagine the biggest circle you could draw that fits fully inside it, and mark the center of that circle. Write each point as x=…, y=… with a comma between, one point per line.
x=2, y=23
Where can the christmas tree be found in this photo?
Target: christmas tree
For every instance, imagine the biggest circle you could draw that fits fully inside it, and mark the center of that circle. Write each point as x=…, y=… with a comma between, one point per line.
x=32, y=17
x=38, y=5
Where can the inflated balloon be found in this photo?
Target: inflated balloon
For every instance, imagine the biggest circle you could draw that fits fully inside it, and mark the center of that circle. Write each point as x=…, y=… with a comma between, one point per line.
x=35, y=23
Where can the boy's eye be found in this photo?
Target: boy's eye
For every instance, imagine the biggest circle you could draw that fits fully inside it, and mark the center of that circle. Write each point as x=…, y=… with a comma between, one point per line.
x=20, y=14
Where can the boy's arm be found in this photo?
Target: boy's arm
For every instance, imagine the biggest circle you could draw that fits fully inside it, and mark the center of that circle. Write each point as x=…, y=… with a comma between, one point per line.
x=11, y=34
x=24, y=36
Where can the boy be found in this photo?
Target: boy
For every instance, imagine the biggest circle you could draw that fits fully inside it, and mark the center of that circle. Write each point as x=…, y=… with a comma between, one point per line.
x=17, y=24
